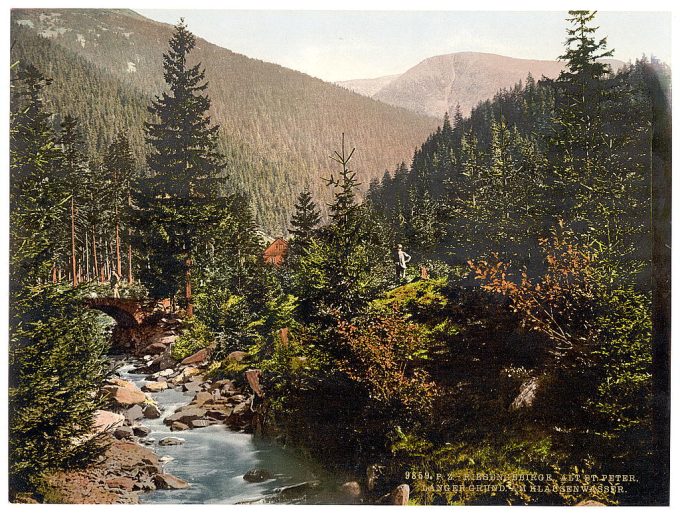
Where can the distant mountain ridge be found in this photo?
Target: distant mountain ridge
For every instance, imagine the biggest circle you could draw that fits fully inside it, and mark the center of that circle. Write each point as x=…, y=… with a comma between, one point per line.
x=439, y=83
x=278, y=126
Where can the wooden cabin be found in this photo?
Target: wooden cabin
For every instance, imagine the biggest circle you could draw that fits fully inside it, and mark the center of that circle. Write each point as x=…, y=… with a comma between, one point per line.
x=276, y=252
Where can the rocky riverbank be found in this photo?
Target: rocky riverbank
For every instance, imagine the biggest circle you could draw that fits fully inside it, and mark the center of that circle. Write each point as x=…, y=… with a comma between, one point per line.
x=130, y=467
x=119, y=476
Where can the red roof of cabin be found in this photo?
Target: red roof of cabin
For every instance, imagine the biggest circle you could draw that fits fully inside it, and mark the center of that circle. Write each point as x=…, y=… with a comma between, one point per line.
x=276, y=251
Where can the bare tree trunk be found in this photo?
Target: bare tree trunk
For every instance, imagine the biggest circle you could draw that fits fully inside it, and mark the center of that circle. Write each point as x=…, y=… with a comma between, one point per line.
x=87, y=257
x=54, y=273
x=94, y=253
x=661, y=194
x=74, y=269
x=129, y=232
x=129, y=263
x=187, y=288
x=107, y=267
x=118, y=268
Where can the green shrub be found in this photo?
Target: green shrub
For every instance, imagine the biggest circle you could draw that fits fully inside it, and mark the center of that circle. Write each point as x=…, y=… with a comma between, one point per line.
x=195, y=337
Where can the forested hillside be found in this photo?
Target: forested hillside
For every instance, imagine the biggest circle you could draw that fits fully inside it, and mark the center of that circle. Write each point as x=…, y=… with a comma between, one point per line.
x=277, y=124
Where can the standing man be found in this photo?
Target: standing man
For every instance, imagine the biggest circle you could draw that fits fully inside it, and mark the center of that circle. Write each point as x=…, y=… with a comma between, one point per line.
x=403, y=258
x=115, y=284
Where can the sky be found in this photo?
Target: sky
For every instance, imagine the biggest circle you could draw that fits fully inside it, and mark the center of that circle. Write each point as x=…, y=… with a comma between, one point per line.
x=341, y=45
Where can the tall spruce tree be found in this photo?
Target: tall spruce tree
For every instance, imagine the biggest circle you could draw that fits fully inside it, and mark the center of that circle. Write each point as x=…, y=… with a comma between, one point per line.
x=119, y=165
x=344, y=205
x=73, y=169
x=304, y=221
x=184, y=162
x=37, y=200
x=579, y=120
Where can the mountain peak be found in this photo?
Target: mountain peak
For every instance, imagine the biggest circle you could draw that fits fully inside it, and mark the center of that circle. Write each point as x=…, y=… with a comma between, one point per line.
x=439, y=83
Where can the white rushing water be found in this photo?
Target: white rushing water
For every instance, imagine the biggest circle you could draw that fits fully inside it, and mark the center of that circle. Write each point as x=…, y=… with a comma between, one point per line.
x=214, y=459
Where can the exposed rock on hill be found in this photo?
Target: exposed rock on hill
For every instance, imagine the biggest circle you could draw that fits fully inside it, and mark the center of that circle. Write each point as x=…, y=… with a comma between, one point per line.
x=439, y=83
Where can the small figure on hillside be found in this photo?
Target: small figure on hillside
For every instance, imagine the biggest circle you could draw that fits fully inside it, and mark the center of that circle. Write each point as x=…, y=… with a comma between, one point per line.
x=115, y=282
x=403, y=258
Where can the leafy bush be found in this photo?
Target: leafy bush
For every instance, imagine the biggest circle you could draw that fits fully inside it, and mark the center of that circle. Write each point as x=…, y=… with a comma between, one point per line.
x=380, y=354
x=420, y=297
x=194, y=337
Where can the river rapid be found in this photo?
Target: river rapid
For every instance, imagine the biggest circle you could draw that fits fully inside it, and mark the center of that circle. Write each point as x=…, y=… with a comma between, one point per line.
x=214, y=459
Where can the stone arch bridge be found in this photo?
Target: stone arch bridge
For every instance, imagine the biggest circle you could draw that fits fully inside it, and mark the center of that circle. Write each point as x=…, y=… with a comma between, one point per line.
x=127, y=312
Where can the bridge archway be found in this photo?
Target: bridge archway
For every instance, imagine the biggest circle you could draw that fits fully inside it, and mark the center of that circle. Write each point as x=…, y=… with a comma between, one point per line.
x=126, y=313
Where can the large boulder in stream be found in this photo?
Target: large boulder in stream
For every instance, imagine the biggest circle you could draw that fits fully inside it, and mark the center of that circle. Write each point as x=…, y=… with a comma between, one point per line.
x=133, y=414
x=168, y=372
x=170, y=440
x=155, y=387
x=124, y=432
x=141, y=430
x=107, y=421
x=124, y=396
x=169, y=482
x=185, y=415
x=202, y=397
x=202, y=422
x=257, y=475
x=154, y=349
x=296, y=492
x=193, y=386
x=199, y=357
x=162, y=362
x=151, y=411
x=186, y=375
x=241, y=415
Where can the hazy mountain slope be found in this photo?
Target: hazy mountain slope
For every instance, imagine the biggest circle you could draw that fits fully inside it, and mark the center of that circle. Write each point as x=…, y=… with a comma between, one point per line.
x=368, y=87
x=439, y=83
x=278, y=126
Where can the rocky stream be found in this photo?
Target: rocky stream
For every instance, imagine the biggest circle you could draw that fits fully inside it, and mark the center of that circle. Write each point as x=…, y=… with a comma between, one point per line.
x=176, y=435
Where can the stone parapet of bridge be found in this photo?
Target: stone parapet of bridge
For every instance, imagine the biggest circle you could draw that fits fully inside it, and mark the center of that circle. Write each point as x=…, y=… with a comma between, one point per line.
x=127, y=312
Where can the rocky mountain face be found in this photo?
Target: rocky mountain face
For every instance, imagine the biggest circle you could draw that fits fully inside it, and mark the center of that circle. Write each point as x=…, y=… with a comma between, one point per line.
x=439, y=83
x=278, y=126
x=368, y=87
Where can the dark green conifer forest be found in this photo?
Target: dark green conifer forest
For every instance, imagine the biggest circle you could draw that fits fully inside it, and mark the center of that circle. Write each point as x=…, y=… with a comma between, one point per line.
x=521, y=341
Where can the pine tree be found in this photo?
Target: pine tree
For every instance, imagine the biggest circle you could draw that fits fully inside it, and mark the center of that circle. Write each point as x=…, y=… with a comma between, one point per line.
x=184, y=161
x=583, y=50
x=73, y=169
x=458, y=118
x=344, y=204
x=119, y=165
x=37, y=199
x=579, y=117
x=304, y=221
x=96, y=216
